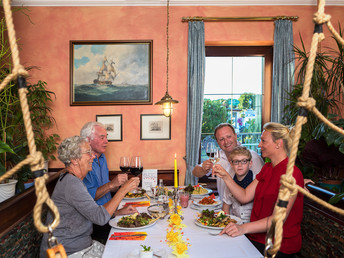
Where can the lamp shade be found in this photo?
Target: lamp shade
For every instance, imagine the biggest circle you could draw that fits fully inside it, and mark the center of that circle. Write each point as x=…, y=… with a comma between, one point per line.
x=167, y=104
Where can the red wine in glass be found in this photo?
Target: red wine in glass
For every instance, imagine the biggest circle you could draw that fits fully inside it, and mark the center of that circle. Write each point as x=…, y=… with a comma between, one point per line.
x=136, y=165
x=211, y=154
x=136, y=170
x=124, y=169
x=124, y=164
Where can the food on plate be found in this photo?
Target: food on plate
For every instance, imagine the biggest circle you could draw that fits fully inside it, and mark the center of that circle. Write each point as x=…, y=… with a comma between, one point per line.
x=136, y=194
x=214, y=219
x=207, y=200
x=199, y=190
x=135, y=220
x=189, y=189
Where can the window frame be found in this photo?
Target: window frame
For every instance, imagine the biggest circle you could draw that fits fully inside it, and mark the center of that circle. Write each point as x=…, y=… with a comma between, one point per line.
x=218, y=49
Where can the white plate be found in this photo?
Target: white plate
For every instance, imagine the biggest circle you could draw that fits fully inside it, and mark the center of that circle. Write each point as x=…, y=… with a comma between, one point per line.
x=134, y=199
x=113, y=223
x=198, y=195
x=136, y=253
x=218, y=202
x=218, y=228
x=196, y=207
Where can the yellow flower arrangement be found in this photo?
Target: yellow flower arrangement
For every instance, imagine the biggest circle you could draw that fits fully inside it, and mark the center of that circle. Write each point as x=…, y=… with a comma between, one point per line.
x=180, y=249
x=174, y=236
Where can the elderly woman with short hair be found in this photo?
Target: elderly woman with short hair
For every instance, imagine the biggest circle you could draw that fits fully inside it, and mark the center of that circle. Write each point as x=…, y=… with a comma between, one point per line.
x=77, y=208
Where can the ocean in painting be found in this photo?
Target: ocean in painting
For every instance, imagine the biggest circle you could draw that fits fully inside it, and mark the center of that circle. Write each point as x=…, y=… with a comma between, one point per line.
x=95, y=92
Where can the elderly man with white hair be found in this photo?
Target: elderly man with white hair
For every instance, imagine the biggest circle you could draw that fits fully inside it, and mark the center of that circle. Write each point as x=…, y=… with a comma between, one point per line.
x=97, y=180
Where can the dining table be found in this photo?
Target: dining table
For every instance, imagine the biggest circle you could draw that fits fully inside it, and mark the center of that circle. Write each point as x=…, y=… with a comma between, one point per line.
x=201, y=242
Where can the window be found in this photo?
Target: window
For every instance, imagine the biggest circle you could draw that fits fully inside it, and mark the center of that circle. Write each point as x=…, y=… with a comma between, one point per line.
x=237, y=90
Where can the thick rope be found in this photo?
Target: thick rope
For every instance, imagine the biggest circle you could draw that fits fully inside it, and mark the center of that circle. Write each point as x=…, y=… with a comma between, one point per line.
x=43, y=197
x=288, y=184
x=18, y=69
x=35, y=159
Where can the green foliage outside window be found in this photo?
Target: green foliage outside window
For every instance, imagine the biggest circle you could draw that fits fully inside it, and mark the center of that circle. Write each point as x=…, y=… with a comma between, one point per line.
x=214, y=113
x=245, y=101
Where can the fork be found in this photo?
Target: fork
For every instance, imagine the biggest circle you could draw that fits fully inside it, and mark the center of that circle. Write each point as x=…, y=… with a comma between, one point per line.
x=214, y=233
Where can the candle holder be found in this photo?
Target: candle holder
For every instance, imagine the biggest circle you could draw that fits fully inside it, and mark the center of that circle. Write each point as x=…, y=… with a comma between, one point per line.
x=175, y=198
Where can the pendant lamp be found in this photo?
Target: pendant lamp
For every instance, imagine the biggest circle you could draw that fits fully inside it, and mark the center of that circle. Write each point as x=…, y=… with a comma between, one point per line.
x=167, y=101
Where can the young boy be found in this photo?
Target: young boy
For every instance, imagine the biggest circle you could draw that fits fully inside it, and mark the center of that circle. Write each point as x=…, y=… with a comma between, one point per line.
x=240, y=160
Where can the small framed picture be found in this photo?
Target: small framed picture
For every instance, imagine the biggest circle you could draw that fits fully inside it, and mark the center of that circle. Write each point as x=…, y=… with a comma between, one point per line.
x=155, y=127
x=113, y=125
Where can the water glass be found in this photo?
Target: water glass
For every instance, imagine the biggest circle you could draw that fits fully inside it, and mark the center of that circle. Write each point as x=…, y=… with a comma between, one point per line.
x=184, y=199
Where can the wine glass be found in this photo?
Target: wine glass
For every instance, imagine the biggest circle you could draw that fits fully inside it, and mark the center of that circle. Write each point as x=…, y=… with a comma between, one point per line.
x=136, y=165
x=215, y=159
x=124, y=164
x=216, y=156
x=210, y=149
x=154, y=190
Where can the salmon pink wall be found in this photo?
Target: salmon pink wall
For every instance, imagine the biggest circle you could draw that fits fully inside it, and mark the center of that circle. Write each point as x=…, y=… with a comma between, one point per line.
x=45, y=42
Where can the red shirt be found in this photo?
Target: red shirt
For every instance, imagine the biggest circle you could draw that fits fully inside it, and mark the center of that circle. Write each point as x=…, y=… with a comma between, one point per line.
x=264, y=202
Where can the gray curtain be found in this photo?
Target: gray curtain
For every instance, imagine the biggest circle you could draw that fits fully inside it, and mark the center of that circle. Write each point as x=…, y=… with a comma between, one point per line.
x=283, y=68
x=196, y=70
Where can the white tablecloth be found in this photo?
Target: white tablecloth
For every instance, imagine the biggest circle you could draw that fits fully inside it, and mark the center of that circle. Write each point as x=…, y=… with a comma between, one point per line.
x=202, y=243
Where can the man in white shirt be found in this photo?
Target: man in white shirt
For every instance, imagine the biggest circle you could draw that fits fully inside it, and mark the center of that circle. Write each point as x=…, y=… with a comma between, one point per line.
x=227, y=140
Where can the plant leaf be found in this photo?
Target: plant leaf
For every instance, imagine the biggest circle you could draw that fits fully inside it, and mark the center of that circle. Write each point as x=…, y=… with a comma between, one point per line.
x=336, y=198
x=5, y=148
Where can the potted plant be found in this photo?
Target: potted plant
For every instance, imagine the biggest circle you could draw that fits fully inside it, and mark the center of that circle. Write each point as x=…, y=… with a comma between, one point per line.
x=7, y=187
x=39, y=99
x=326, y=88
x=13, y=131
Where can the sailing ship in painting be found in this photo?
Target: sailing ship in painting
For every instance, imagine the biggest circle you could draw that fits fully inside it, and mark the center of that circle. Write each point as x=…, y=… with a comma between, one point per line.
x=106, y=73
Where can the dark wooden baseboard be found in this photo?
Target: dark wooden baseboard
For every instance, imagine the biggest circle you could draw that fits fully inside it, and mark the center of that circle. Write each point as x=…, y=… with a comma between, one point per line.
x=17, y=208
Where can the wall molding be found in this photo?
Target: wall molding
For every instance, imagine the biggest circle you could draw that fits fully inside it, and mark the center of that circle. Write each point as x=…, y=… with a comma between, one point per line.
x=172, y=2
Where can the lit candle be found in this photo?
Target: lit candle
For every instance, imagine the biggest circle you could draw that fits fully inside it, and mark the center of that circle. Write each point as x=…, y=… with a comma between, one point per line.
x=175, y=171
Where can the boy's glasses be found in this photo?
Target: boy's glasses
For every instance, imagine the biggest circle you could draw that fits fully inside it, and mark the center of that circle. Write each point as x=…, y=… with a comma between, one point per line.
x=243, y=161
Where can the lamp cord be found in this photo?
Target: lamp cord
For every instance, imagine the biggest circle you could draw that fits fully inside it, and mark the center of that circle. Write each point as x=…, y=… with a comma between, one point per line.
x=167, y=48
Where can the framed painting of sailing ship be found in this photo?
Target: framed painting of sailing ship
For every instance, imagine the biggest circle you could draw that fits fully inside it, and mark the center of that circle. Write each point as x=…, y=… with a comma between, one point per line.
x=113, y=126
x=155, y=127
x=110, y=72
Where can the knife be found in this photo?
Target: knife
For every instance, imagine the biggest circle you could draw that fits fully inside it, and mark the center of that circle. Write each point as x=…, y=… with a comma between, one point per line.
x=129, y=235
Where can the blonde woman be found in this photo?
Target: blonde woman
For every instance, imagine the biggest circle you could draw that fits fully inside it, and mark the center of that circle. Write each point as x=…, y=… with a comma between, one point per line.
x=275, y=144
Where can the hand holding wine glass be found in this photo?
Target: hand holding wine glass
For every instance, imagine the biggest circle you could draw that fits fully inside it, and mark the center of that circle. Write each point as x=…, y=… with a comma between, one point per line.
x=213, y=154
x=136, y=165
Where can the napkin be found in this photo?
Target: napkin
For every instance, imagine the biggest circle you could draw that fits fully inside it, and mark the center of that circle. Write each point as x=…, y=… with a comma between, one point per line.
x=138, y=204
x=128, y=236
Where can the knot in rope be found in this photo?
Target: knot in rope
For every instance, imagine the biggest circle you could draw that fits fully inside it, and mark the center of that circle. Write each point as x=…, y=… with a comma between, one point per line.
x=307, y=102
x=20, y=70
x=289, y=183
x=320, y=18
x=36, y=159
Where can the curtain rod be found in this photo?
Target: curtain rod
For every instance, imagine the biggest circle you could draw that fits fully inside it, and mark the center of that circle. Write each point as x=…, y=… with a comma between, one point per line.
x=200, y=18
